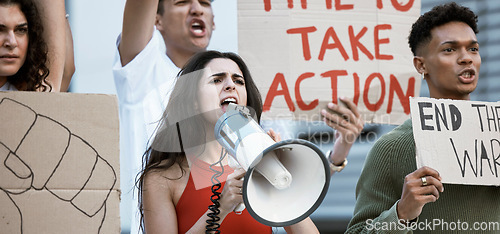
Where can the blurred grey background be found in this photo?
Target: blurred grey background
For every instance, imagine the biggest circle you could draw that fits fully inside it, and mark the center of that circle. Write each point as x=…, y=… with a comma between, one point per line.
x=96, y=24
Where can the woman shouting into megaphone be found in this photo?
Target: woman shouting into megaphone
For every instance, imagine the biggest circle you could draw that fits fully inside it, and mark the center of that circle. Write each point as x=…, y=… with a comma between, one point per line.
x=186, y=185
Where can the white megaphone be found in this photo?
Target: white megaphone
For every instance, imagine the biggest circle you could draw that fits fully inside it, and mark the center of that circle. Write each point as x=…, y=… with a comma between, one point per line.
x=285, y=182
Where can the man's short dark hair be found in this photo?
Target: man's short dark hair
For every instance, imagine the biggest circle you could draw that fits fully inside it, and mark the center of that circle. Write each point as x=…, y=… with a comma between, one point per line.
x=160, y=8
x=439, y=15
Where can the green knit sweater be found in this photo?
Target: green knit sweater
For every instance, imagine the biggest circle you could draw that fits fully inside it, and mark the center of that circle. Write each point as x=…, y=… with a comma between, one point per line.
x=380, y=186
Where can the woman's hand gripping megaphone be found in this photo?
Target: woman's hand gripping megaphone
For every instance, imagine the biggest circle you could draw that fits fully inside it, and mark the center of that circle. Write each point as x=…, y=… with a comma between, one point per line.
x=236, y=166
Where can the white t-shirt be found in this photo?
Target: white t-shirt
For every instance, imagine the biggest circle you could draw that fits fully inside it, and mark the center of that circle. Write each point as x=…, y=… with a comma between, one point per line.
x=143, y=87
x=8, y=87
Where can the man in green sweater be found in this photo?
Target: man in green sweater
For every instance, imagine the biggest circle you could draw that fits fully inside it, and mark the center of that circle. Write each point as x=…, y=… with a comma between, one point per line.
x=392, y=195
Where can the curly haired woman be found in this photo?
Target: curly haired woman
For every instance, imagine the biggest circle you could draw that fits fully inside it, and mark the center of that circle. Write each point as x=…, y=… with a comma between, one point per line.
x=33, y=47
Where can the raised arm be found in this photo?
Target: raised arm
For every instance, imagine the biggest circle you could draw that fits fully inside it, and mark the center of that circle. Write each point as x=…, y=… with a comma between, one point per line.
x=69, y=63
x=138, y=25
x=54, y=22
x=348, y=123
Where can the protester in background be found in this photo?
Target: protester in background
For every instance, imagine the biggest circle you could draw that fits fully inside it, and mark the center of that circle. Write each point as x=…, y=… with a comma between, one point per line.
x=392, y=195
x=174, y=185
x=33, y=50
x=144, y=72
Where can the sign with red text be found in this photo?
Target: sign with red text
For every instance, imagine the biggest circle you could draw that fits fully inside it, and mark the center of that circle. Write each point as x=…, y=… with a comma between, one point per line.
x=459, y=139
x=305, y=54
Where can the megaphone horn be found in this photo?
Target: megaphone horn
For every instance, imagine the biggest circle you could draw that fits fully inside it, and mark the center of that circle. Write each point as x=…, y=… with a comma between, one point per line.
x=285, y=181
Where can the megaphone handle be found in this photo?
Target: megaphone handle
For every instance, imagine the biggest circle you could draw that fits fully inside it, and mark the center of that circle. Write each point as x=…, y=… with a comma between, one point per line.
x=239, y=208
x=235, y=165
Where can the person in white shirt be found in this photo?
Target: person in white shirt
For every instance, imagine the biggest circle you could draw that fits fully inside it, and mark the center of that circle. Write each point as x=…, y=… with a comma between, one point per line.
x=157, y=39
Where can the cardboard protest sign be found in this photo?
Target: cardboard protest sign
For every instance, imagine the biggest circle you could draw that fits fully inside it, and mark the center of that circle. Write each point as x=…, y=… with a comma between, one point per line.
x=305, y=54
x=59, y=163
x=459, y=139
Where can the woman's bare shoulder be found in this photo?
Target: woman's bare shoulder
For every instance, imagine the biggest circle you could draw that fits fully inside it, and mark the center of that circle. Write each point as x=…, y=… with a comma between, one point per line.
x=171, y=180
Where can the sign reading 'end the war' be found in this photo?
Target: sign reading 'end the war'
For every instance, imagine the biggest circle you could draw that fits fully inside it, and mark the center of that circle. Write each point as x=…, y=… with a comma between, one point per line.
x=459, y=139
x=304, y=54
